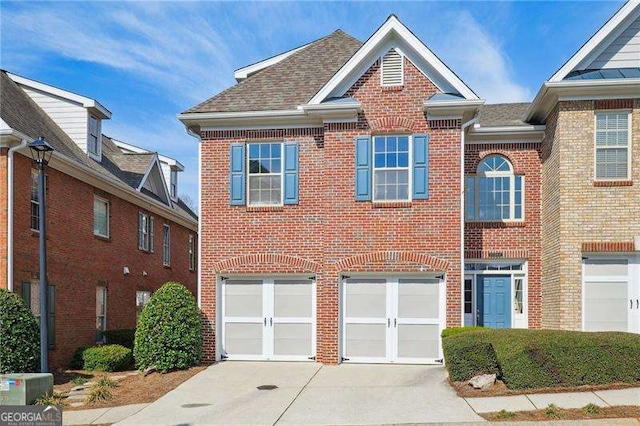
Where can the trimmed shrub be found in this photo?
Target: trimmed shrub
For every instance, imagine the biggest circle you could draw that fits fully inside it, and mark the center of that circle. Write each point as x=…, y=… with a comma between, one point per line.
x=169, y=332
x=102, y=358
x=19, y=336
x=530, y=359
x=468, y=355
x=122, y=336
x=452, y=331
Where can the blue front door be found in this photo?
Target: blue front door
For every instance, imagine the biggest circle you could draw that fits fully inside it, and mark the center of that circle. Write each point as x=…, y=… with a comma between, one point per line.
x=494, y=301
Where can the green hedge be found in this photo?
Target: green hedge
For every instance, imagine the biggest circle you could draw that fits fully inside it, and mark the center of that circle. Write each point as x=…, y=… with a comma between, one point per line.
x=123, y=336
x=19, y=336
x=530, y=359
x=102, y=358
x=169, y=332
x=452, y=331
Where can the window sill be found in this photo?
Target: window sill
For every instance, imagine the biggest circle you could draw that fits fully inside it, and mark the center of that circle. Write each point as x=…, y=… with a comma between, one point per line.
x=611, y=183
x=493, y=224
x=102, y=238
x=265, y=208
x=167, y=267
x=391, y=205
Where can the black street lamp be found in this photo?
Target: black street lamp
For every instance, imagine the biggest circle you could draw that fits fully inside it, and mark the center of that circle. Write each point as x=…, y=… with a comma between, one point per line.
x=41, y=153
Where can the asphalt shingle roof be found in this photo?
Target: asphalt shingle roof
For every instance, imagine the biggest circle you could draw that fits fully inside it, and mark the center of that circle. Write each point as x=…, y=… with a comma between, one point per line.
x=299, y=77
x=503, y=115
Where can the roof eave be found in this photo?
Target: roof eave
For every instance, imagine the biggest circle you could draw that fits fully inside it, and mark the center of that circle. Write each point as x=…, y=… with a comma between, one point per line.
x=451, y=108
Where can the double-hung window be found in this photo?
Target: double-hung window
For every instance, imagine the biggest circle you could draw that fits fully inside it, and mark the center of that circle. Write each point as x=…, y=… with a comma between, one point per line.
x=94, y=137
x=35, y=201
x=192, y=252
x=146, y=224
x=101, y=313
x=391, y=177
x=166, y=245
x=612, y=146
x=100, y=217
x=265, y=174
x=494, y=193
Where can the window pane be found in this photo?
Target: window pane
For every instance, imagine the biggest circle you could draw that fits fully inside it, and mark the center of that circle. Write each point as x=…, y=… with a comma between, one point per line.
x=470, y=200
x=254, y=150
x=611, y=163
x=403, y=144
x=403, y=160
x=391, y=152
x=518, y=296
x=266, y=160
x=379, y=145
x=391, y=185
x=380, y=160
x=100, y=217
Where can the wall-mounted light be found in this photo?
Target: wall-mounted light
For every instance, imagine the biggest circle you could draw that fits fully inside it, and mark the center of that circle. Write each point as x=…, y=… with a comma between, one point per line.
x=125, y=270
x=144, y=273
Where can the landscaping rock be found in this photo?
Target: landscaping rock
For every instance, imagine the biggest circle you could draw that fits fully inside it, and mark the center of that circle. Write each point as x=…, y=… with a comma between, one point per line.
x=483, y=382
x=80, y=387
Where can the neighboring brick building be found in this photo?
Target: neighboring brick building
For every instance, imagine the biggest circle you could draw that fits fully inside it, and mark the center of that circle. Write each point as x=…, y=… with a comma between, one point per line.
x=335, y=225
x=105, y=257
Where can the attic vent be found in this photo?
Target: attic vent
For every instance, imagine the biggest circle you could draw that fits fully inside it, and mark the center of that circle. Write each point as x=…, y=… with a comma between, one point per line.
x=392, y=69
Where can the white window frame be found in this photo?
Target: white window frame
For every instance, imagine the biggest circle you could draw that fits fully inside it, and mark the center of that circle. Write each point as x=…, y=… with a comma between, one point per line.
x=249, y=174
x=399, y=52
x=94, y=132
x=108, y=204
x=166, y=245
x=512, y=192
x=35, y=201
x=146, y=223
x=192, y=252
x=103, y=293
x=409, y=169
x=596, y=148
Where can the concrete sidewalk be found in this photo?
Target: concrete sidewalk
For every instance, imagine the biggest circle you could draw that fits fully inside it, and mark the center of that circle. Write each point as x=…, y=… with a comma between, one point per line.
x=529, y=402
x=99, y=416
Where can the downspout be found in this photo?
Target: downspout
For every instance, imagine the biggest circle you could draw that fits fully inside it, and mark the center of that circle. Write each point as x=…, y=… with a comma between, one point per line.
x=462, y=207
x=22, y=144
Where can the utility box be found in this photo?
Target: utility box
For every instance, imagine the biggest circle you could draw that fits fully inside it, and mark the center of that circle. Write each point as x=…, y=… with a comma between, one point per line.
x=24, y=388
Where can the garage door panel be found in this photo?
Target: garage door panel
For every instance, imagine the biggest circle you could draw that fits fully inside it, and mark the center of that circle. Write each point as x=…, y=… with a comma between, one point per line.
x=243, y=298
x=606, y=295
x=292, y=339
x=366, y=299
x=293, y=299
x=605, y=267
x=418, y=299
x=418, y=340
x=243, y=338
x=366, y=340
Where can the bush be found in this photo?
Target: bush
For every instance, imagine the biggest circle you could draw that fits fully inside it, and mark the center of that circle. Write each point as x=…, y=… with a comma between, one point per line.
x=19, y=336
x=529, y=359
x=452, y=331
x=102, y=358
x=468, y=355
x=122, y=336
x=169, y=333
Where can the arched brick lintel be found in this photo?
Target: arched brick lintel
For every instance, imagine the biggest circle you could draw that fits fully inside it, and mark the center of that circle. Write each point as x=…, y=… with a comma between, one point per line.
x=296, y=263
x=391, y=257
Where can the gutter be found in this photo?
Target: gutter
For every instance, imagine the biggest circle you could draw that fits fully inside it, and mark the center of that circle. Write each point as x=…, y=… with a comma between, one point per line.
x=21, y=145
x=462, y=207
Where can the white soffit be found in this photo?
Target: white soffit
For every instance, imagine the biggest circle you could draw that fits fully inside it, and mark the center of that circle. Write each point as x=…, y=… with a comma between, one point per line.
x=393, y=34
x=602, y=39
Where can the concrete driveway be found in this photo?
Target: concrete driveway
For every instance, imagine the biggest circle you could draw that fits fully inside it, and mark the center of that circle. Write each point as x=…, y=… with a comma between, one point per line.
x=227, y=393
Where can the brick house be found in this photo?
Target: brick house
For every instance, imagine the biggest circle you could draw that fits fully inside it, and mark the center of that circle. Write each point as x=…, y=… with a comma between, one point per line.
x=116, y=229
x=357, y=198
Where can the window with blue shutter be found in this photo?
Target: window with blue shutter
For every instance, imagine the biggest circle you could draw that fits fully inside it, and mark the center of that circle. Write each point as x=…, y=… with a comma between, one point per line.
x=420, y=167
x=363, y=168
x=291, y=173
x=237, y=177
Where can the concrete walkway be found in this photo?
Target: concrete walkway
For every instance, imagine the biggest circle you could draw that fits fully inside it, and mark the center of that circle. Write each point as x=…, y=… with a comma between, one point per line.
x=229, y=393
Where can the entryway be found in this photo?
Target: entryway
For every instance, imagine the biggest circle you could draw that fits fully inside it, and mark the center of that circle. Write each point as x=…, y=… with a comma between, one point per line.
x=392, y=319
x=268, y=319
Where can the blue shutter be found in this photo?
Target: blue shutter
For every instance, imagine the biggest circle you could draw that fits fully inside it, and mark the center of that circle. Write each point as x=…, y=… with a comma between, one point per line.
x=420, y=167
x=237, y=176
x=363, y=168
x=291, y=172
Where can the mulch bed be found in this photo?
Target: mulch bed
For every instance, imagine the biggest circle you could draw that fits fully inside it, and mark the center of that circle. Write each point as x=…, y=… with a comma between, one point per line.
x=631, y=411
x=500, y=389
x=135, y=389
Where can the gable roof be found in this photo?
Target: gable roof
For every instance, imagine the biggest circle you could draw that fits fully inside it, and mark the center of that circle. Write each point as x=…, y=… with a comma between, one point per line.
x=289, y=82
x=394, y=34
x=22, y=114
x=602, y=39
x=503, y=115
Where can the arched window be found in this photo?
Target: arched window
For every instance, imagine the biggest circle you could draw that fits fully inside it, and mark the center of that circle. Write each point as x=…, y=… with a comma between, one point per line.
x=494, y=193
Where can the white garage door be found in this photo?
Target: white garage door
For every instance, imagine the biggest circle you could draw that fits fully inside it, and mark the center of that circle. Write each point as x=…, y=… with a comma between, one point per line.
x=391, y=320
x=268, y=319
x=611, y=295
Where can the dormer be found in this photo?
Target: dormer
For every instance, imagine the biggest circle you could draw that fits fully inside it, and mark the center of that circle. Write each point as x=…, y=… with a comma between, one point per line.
x=78, y=116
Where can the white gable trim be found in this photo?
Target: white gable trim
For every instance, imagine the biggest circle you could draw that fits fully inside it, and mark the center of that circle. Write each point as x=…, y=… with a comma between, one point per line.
x=392, y=26
x=244, y=72
x=600, y=40
x=156, y=164
x=89, y=103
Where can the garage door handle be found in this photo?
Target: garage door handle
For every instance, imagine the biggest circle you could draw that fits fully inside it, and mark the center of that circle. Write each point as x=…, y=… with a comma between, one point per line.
x=265, y=321
x=388, y=322
x=270, y=321
x=395, y=322
x=637, y=303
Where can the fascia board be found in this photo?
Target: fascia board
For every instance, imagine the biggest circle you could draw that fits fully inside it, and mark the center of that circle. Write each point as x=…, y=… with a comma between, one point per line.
x=244, y=72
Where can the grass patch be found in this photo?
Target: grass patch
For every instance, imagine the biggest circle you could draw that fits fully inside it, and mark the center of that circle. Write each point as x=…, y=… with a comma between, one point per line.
x=55, y=398
x=505, y=415
x=591, y=409
x=79, y=380
x=532, y=359
x=101, y=391
x=546, y=415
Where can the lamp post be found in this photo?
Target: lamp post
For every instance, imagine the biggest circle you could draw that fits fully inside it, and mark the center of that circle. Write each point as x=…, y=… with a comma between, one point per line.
x=41, y=153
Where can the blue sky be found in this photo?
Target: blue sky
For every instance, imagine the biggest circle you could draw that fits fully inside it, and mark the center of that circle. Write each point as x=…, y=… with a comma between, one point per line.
x=148, y=61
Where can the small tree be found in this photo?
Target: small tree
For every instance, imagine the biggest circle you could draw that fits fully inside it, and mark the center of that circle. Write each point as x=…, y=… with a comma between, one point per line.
x=19, y=336
x=169, y=333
